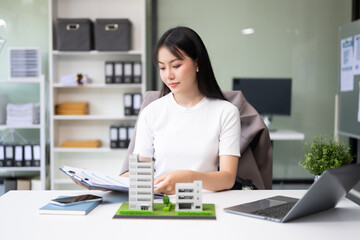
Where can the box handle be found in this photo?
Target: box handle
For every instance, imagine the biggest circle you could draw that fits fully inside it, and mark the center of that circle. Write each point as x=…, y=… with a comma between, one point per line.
x=111, y=27
x=72, y=26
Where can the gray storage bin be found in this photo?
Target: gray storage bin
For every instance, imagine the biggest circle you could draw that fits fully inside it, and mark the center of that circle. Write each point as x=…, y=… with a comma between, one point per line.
x=74, y=34
x=112, y=35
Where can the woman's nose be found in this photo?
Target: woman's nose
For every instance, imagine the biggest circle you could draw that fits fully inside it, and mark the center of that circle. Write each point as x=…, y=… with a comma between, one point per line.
x=170, y=75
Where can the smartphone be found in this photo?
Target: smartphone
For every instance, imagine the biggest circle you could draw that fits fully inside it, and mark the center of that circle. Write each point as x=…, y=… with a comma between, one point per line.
x=66, y=201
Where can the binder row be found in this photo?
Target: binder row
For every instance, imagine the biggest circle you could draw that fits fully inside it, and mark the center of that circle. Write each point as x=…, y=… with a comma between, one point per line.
x=132, y=104
x=123, y=72
x=120, y=136
x=20, y=155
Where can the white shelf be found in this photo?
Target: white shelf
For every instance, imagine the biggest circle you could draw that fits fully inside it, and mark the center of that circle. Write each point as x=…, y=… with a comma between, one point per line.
x=87, y=150
x=93, y=117
x=35, y=126
x=106, y=101
x=99, y=85
x=22, y=80
x=30, y=171
x=96, y=53
x=20, y=169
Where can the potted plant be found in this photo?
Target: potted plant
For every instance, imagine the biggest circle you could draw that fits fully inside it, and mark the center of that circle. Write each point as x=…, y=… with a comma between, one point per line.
x=323, y=154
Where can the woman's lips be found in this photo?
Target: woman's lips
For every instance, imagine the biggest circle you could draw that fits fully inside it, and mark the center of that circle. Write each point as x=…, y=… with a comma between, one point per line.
x=172, y=85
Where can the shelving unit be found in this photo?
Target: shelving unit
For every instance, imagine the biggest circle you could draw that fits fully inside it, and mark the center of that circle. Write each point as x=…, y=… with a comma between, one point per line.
x=105, y=100
x=40, y=128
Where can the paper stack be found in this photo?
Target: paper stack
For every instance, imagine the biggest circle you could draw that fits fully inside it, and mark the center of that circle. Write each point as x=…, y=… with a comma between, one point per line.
x=74, y=80
x=23, y=114
x=72, y=108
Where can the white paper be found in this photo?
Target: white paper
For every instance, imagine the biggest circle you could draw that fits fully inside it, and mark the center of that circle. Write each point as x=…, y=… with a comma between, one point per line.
x=97, y=179
x=357, y=55
x=347, y=74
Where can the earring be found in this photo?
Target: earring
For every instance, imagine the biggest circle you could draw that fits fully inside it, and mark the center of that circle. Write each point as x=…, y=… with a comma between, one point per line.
x=197, y=69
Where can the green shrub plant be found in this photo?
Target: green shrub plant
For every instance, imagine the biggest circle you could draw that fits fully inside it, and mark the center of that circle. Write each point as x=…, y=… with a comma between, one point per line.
x=325, y=153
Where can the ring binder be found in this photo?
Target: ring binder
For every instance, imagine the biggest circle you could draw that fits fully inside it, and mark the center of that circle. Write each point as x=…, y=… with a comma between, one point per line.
x=19, y=156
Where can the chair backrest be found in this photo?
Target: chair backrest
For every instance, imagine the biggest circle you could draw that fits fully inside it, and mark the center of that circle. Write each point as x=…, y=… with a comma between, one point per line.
x=255, y=163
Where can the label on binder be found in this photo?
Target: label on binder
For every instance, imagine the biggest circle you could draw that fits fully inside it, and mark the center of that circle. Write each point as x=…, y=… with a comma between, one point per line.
x=118, y=72
x=2, y=153
x=27, y=155
x=128, y=72
x=36, y=152
x=18, y=156
x=136, y=103
x=9, y=152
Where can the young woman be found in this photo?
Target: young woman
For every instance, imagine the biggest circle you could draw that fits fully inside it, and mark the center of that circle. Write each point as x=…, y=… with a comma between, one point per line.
x=192, y=132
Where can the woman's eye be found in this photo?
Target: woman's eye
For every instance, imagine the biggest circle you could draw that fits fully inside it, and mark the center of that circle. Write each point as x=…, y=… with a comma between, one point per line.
x=176, y=66
x=162, y=68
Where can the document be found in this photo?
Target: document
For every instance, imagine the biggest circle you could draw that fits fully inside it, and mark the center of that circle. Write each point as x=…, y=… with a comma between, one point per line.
x=98, y=180
x=358, y=106
x=357, y=55
x=347, y=74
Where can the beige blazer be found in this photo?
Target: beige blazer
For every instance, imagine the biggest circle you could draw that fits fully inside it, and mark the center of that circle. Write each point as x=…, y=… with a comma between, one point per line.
x=255, y=162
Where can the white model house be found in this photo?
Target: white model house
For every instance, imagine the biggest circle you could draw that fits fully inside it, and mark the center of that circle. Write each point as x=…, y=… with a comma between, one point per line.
x=188, y=196
x=141, y=191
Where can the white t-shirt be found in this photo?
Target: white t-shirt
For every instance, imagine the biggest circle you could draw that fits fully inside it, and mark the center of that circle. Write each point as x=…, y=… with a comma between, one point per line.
x=187, y=138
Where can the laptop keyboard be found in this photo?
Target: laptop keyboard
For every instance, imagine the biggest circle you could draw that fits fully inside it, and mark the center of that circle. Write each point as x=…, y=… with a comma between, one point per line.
x=278, y=211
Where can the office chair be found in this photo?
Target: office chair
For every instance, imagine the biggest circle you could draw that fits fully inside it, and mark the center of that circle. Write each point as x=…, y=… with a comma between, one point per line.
x=255, y=163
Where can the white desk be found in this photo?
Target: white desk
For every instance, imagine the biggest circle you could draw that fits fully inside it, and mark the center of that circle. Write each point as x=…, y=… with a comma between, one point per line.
x=286, y=135
x=19, y=219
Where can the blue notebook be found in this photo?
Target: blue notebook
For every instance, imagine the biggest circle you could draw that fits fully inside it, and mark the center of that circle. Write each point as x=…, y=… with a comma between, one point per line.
x=76, y=209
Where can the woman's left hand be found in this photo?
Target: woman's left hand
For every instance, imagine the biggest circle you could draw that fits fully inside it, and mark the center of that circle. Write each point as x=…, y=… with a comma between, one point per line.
x=166, y=183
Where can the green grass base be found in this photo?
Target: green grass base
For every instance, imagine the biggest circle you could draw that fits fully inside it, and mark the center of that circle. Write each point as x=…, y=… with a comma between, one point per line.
x=159, y=213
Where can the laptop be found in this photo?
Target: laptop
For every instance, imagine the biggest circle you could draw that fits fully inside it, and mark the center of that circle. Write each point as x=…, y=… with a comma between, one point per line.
x=323, y=194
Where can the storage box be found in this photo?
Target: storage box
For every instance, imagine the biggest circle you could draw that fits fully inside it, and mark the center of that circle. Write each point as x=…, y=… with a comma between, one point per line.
x=75, y=34
x=112, y=35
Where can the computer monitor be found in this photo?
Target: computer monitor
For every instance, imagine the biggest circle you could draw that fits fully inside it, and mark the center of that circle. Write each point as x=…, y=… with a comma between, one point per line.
x=269, y=96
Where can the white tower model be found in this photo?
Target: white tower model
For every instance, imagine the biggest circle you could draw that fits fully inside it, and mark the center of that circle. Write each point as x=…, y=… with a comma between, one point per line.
x=141, y=190
x=188, y=196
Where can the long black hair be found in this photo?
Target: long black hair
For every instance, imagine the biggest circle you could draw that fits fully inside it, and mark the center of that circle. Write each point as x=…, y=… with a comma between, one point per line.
x=187, y=40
